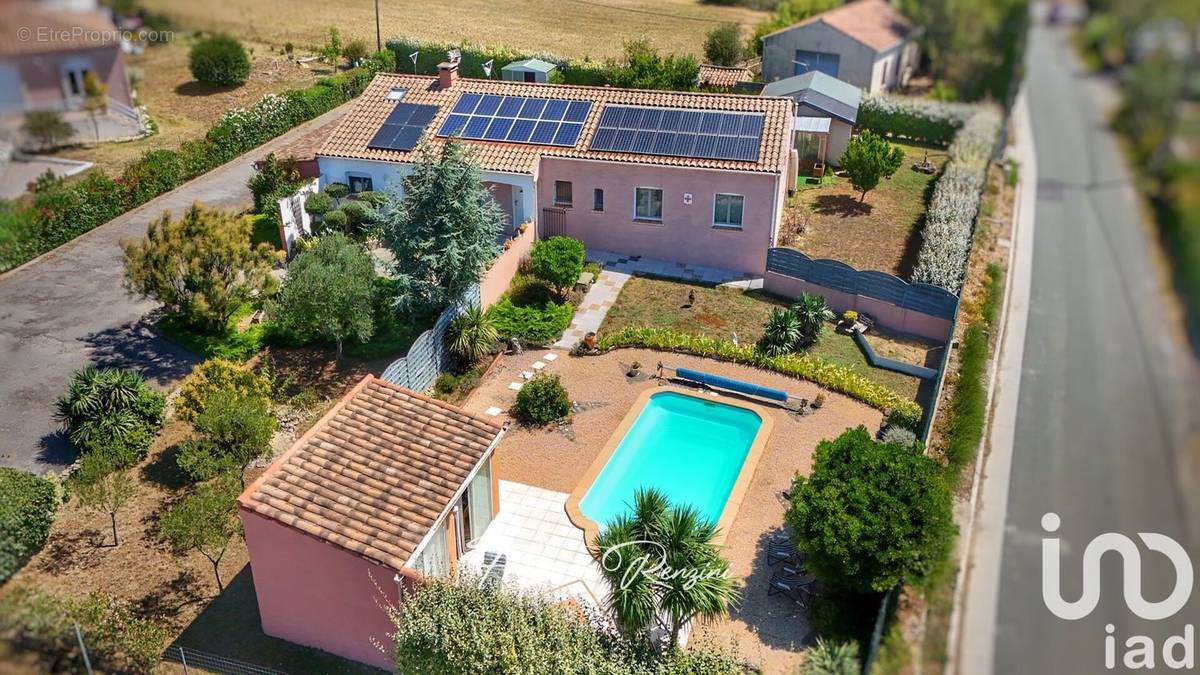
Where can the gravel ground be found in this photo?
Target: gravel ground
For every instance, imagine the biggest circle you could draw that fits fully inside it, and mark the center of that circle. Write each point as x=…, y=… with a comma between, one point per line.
x=768, y=631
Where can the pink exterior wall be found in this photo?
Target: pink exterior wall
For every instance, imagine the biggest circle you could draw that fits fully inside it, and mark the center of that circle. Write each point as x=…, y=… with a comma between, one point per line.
x=42, y=75
x=886, y=314
x=686, y=233
x=496, y=280
x=316, y=594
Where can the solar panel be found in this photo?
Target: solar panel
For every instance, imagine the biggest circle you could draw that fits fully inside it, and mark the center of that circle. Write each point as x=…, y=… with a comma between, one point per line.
x=403, y=127
x=680, y=133
x=517, y=119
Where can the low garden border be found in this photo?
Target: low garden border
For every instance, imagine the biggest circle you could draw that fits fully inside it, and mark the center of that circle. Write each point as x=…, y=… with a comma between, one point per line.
x=828, y=375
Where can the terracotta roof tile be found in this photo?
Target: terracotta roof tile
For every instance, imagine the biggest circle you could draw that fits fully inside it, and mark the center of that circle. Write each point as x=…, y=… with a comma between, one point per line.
x=723, y=76
x=355, y=131
x=875, y=23
x=376, y=472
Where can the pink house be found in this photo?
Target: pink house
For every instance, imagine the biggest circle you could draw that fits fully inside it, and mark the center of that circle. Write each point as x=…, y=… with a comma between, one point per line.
x=388, y=487
x=688, y=177
x=48, y=49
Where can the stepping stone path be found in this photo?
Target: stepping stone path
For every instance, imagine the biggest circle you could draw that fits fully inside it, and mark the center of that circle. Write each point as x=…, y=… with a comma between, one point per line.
x=547, y=359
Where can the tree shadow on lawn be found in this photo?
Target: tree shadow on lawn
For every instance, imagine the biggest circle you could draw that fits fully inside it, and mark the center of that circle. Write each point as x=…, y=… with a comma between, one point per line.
x=197, y=88
x=164, y=470
x=231, y=627
x=778, y=621
x=843, y=206
x=912, y=245
x=138, y=346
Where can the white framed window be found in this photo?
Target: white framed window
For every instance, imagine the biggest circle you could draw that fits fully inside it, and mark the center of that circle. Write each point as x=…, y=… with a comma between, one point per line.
x=647, y=204
x=562, y=193
x=727, y=210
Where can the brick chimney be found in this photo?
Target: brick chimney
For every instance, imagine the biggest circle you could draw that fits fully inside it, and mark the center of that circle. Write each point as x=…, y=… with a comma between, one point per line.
x=447, y=73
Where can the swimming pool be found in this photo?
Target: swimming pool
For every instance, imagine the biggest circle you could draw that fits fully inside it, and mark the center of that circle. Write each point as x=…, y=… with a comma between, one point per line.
x=693, y=448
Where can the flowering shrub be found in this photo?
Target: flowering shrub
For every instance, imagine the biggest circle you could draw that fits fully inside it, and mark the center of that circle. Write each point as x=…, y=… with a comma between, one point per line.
x=950, y=219
x=27, y=505
x=804, y=366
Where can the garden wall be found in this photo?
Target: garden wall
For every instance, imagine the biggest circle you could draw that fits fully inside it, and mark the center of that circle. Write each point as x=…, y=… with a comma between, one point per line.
x=428, y=356
x=498, y=277
x=917, y=309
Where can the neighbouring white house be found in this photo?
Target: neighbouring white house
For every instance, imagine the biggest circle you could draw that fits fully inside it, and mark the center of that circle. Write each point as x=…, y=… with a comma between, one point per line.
x=866, y=43
x=826, y=111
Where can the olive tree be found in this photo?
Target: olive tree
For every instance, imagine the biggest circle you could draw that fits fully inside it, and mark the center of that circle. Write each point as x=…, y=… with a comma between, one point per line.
x=867, y=159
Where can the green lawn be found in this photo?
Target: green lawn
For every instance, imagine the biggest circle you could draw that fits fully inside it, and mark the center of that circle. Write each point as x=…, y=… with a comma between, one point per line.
x=722, y=312
x=230, y=344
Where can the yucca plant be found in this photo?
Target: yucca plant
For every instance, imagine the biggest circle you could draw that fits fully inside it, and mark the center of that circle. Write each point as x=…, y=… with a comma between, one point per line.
x=811, y=312
x=472, y=334
x=781, y=333
x=660, y=562
x=831, y=658
x=106, y=403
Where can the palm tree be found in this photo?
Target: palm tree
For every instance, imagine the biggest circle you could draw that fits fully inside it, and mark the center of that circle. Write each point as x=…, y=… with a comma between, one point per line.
x=780, y=334
x=661, y=564
x=831, y=658
x=472, y=334
x=99, y=401
x=811, y=312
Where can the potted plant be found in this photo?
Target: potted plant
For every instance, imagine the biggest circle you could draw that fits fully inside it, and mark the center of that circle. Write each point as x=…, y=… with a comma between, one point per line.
x=589, y=340
x=635, y=368
x=849, y=318
x=818, y=401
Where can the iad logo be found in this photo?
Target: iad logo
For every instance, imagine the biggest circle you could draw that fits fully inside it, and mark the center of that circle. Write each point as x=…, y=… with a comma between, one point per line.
x=1140, y=648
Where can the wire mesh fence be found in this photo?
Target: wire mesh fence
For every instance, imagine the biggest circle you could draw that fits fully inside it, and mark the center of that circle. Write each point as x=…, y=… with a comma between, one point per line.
x=206, y=662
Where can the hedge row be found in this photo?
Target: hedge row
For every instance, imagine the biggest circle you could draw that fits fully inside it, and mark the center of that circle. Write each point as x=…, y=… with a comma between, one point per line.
x=831, y=376
x=64, y=210
x=430, y=54
x=27, y=505
x=916, y=119
x=950, y=218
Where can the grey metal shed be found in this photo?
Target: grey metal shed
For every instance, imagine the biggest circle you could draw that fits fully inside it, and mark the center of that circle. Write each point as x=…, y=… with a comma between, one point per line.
x=529, y=70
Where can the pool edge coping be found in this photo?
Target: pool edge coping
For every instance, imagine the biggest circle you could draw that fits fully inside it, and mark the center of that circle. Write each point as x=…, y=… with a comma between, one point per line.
x=737, y=493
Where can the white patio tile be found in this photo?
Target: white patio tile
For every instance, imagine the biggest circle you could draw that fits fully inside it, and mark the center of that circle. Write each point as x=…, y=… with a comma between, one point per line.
x=493, y=411
x=515, y=386
x=550, y=356
x=538, y=365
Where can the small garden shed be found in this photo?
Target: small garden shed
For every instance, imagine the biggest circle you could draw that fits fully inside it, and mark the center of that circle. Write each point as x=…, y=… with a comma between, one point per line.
x=826, y=111
x=529, y=70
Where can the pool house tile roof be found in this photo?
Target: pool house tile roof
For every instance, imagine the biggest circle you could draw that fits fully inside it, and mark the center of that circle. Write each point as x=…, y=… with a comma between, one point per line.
x=352, y=136
x=376, y=472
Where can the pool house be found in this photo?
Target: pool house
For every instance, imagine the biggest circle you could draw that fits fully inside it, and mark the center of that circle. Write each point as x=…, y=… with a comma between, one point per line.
x=388, y=487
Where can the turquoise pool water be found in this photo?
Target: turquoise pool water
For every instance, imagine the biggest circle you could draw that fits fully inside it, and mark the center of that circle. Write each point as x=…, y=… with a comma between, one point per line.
x=689, y=448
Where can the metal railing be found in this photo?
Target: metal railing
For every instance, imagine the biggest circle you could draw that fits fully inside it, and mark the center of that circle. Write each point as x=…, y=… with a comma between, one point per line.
x=194, y=658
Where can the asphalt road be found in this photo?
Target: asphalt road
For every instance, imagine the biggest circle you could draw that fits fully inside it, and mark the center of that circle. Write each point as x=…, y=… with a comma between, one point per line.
x=1108, y=401
x=68, y=309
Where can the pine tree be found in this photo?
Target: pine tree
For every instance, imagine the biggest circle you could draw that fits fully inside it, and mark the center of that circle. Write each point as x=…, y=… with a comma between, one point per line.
x=444, y=231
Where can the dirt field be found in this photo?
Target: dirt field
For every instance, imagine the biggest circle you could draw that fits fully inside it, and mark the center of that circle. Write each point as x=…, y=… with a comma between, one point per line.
x=568, y=27
x=184, y=109
x=768, y=631
x=881, y=233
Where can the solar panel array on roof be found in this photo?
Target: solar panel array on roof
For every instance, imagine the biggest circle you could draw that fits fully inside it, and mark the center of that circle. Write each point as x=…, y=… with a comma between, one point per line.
x=403, y=127
x=517, y=119
x=679, y=133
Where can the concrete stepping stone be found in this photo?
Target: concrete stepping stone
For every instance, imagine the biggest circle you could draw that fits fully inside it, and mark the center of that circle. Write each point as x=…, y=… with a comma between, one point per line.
x=550, y=356
x=538, y=365
x=515, y=386
x=492, y=411
x=526, y=374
